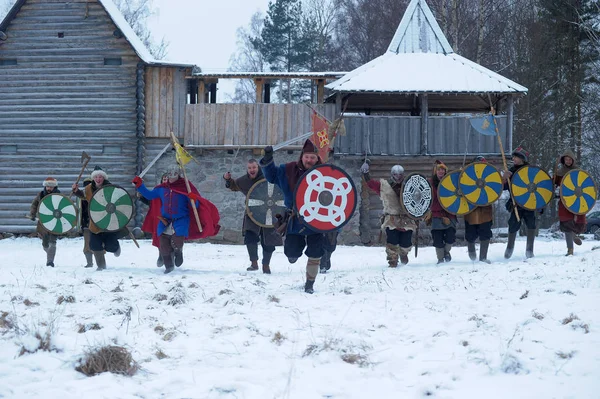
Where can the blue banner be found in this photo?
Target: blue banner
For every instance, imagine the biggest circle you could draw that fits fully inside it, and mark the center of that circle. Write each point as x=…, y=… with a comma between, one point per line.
x=485, y=126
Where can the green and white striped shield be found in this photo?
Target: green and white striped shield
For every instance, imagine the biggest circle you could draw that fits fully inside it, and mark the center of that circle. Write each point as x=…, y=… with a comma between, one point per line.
x=57, y=214
x=111, y=208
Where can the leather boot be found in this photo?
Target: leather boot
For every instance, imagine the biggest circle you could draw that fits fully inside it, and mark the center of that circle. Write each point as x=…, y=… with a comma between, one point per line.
x=160, y=262
x=100, y=260
x=253, y=267
x=325, y=262
x=510, y=246
x=483, y=250
x=89, y=259
x=309, y=286
x=529, y=246
x=577, y=239
x=266, y=269
x=404, y=255
x=50, y=254
x=569, y=235
x=440, y=255
x=447, y=249
x=392, y=251
x=472, y=251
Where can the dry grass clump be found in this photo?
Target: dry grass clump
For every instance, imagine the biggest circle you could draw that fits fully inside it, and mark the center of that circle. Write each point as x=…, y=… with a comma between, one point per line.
x=160, y=355
x=273, y=298
x=6, y=321
x=27, y=302
x=278, y=338
x=87, y=327
x=160, y=297
x=537, y=315
x=67, y=299
x=356, y=358
x=111, y=359
x=572, y=317
x=565, y=355
x=179, y=297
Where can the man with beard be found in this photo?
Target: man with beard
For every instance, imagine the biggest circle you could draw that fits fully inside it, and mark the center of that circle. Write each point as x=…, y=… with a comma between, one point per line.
x=175, y=215
x=396, y=223
x=570, y=223
x=99, y=241
x=297, y=235
x=253, y=233
x=48, y=239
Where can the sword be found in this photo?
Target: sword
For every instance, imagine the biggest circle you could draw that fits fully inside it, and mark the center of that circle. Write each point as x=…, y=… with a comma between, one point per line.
x=290, y=141
x=154, y=160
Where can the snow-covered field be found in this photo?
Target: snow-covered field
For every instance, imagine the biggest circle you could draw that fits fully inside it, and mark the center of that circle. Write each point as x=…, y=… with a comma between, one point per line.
x=513, y=329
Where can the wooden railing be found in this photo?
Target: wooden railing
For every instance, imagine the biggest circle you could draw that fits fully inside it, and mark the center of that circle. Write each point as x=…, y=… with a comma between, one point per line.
x=248, y=125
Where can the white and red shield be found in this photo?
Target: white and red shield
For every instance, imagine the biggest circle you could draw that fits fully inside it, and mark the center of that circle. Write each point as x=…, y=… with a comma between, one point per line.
x=325, y=198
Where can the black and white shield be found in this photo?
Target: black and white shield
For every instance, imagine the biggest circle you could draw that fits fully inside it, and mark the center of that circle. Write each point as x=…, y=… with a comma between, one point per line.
x=263, y=202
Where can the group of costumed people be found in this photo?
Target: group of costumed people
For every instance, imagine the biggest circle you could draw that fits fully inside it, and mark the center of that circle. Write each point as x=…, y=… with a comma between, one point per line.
x=173, y=203
x=399, y=226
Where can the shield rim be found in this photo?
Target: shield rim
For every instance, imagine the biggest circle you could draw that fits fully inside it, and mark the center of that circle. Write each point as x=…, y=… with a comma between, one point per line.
x=402, y=197
x=295, y=205
x=50, y=231
x=512, y=187
x=482, y=163
x=471, y=206
x=132, y=208
x=561, y=190
x=266, y=226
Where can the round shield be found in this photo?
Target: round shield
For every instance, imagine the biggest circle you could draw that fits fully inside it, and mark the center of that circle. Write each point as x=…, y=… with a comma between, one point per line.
x=325, y=198
x=416, y=195
x=57, y=214
x=531, y=187
x=480, y=183
x=450, y=197
x=111, y=208
x=578, y=192
x=263, y=201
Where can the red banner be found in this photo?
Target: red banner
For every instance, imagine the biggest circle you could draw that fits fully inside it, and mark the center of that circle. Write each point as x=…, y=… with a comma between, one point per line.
x=321, y=136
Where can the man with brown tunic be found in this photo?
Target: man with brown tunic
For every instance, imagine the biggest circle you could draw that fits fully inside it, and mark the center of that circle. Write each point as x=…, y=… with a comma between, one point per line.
x=478, y=224
x=253, y=233
x=48, y=239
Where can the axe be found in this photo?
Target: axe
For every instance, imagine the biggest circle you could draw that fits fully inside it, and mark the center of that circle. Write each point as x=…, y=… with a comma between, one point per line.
x=85, y=159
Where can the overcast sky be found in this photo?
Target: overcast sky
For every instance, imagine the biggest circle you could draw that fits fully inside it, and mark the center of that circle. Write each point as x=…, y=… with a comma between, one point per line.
x=202, y=32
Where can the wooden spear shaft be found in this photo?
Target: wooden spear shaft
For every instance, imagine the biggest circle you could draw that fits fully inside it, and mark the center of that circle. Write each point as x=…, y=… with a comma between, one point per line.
x=512, y=197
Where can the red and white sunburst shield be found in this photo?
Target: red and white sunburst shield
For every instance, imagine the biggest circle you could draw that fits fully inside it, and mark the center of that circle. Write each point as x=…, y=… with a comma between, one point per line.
x=325, y=198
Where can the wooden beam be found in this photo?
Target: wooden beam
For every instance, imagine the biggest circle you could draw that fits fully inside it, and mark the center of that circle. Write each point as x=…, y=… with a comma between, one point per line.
x=510, y=112
x=320, y=91
x=424, y=120
x=201, y=91
x=213, y=92
x=259, y=83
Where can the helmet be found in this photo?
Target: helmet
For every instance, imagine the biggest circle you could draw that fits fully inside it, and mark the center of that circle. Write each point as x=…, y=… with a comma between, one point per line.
x=397, y=173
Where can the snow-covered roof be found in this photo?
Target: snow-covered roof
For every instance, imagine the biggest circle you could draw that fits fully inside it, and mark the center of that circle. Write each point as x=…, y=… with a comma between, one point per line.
x=119, y=20
x=419, y=59
x=274, y=75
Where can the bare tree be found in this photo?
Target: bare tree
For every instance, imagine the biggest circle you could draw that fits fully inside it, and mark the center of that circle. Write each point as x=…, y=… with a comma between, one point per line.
x=247, y=59
x=136, y=13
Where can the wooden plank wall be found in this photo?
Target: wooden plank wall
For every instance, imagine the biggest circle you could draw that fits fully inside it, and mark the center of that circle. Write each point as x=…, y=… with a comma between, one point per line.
x=248, y=124
x=59, y=100
x=401, y=135
x=166, y=97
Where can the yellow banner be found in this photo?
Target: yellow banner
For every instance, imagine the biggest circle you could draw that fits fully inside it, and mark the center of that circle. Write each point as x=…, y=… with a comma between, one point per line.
x=183, y=157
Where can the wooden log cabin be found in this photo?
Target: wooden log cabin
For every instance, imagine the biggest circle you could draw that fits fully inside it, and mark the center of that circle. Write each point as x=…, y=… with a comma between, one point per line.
x=74, y=77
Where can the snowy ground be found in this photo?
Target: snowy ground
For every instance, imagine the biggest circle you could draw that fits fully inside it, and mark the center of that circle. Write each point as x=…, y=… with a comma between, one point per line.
x=513, y=329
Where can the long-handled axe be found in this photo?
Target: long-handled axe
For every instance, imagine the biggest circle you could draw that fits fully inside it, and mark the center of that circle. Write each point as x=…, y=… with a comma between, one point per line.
x=85, y=159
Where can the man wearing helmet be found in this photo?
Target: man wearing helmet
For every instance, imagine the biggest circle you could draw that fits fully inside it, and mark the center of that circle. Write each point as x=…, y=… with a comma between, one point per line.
x=396, y=223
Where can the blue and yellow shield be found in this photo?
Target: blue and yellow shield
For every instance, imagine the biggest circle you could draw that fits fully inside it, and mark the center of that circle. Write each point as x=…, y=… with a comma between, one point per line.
x=480, y=183
x=531, y=187
x=450, y=197
x=578, y=192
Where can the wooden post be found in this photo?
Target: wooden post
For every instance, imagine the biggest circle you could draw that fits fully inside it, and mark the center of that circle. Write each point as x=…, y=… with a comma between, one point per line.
x=213, y=93
x=201, y=91
x=259, y=83
x=424, y=120
x=510, y=112
x=320, y=91
x=267, y=93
